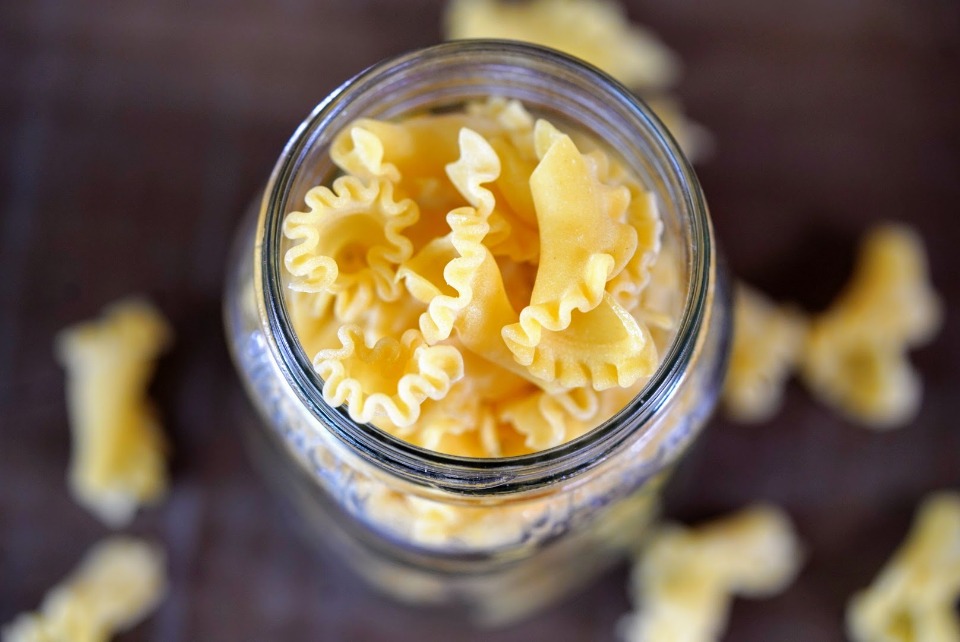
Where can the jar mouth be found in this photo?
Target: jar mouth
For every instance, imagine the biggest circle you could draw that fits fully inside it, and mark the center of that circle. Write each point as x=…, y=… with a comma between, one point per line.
x=465, y=475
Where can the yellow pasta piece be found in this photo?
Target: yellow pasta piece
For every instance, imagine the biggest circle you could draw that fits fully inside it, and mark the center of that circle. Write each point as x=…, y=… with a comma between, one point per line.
x=478, y=164
x=350, y=243
x=583, y=245
x=855, y=355
x=118, y=459
x=313, y=320
x=661, y=301
x=548, y=420
x=513, y=223
x=594, y=30
x=767, y=342
x=644, y=216
x=118, y=583
x=390, y=378
x=510, y=118
x=419, y=147
x=914, y=598
x=685, y=579
x=454, y=423
x=602, y=348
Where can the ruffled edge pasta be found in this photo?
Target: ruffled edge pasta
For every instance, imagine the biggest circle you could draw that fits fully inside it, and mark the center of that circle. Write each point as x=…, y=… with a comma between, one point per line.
x=547, y=420
x=578, y=261
x=478, y=164
x=428, y=372
x=316, y=272
x=574, y=357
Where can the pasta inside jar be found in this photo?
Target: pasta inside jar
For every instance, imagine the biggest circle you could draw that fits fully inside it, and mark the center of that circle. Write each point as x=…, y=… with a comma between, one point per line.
x=481, y=312
x=494, y=298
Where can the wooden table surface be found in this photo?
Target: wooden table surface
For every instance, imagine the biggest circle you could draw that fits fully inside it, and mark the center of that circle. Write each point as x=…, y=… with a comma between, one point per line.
x=132, y=135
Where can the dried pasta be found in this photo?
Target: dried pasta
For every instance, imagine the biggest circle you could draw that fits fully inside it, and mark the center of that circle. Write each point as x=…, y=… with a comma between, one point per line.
x=350, y=243
x=594, y=30
x=855, y=354
x=686, y=578
x=598, y=32
x=913, y=599
x=118, y=583
x=118, y=459
x=583, y=246
x=766, y=347
x=496, y=302
x=391, y=378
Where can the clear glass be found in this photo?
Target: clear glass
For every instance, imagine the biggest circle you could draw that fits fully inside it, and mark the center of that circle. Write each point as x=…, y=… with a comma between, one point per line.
x=500, y=537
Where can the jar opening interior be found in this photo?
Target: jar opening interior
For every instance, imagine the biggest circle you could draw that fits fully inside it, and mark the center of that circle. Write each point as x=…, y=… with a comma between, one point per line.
x=550, y=85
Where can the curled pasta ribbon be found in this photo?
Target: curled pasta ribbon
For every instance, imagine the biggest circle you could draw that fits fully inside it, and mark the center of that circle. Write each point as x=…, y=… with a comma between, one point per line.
x=119, y=453
x=644, y=216
x=312, y=319
x=478, y=164
x=316, y=326
x=913, y=598
x=514, y=121
x=390, y=378
x=417, y=148
x=595, y=30
x=548, y=420
x=465, y=428
x=350, y=243
x=582, y=242
x=767, y=342
x=685, y=579
x=855, y=355
x=603, y=348
x=477, y=324
x=117, y=584
x=661, y=301
x=513, y=222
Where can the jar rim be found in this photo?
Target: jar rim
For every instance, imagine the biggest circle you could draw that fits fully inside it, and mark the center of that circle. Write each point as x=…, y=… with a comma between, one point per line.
x=451, y=473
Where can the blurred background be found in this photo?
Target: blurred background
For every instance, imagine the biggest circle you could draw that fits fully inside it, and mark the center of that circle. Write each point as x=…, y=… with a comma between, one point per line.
x=133, y=135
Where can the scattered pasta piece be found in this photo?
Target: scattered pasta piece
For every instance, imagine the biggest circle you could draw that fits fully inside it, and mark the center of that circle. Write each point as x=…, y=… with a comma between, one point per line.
x=686, y=578
x=118, y=583
x=596, y=31
x=390, y=378
x=855, y=354
x=118, y=449
x=767, y=342
x=914, y=598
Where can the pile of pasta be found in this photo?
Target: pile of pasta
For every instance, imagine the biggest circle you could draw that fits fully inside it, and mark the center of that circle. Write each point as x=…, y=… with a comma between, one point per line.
x=478, y=282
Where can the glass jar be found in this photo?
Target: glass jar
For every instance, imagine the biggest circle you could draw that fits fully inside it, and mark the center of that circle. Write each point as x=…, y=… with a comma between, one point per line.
x=500, y=537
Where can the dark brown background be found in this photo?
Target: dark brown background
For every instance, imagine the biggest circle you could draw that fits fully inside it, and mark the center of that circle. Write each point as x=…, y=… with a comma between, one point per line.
x=132, y=135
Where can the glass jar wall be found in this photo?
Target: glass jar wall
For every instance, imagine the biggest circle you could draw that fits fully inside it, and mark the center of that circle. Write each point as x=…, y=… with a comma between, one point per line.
x=501, y=536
